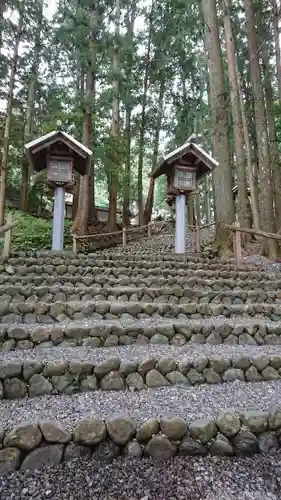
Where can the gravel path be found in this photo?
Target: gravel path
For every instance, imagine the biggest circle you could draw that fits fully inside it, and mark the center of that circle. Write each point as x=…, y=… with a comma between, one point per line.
x=152, y=321
x=138, y=352
x=189, y=403
x=254, y=478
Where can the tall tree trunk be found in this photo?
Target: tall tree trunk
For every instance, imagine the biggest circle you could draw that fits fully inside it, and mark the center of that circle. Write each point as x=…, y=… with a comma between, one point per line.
x=127, y=176
x=207, y=200
x=143, y=120
x=253, y=183
x=25, y=173
x=130, y=21
x=115, y=126
x=80, y=224
x=2, y=9
x=243, y=208
x=273, y=151
x=266, y=196
x=150, y=195
x=276, y=32
x=222, y=174
x=9, y=111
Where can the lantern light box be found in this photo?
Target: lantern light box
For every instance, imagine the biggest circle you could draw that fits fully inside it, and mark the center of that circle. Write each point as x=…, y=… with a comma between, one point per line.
x=60, y=170
x=184, y=179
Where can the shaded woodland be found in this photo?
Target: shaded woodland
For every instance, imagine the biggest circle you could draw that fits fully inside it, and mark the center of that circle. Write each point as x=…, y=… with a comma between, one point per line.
x=133, y=80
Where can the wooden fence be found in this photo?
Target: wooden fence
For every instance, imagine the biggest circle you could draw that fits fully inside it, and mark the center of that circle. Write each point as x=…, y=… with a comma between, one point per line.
x=7, y=231
x=237, y=245
x=148, y=229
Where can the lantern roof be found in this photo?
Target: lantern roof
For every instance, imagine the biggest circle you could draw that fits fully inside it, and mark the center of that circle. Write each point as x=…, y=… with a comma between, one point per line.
x=60, y=143
x=190, y=155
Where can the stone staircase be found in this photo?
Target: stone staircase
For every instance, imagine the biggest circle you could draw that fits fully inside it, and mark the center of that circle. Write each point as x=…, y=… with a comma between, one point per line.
x=136, y=353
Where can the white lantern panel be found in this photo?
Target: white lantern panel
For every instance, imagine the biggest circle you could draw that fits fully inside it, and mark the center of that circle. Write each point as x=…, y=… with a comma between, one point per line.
x=184, y=179
x=60, y=170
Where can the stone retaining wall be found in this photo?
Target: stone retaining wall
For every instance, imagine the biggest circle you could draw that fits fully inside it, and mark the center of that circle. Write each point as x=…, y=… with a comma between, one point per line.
x=30, y=445
x=109, y=334
x=208, y=279
x=167, y=294
x=46, y=312
x=36, y=378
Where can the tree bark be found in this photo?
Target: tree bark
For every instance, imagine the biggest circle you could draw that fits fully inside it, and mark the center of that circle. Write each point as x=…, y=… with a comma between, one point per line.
x=130, y=21
x=243, y=208
x=2, y=10
x=80, y=224
x=266, y=196
x=115, y=126
x=207, y=200
x=9, y=110
x=250, y=168
x=25, y=173
x=276, y=32
x=222, y=174
x=272, y=136
x=127, y=176
x=143, y=121
x=150, y=195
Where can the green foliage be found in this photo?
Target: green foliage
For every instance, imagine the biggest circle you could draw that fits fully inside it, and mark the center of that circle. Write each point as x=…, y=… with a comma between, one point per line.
x=35, y=233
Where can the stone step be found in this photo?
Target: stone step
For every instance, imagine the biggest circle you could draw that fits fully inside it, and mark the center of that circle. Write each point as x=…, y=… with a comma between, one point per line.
x=123, y=279
x=159, y=423
x=217, y=284
x=101, y=261
x=109, y=333
x=174, y=295
x=45, y=312
x=63, y=267
x=66, y=370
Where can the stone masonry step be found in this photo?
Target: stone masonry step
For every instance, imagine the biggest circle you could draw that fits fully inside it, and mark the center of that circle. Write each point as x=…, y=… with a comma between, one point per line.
x=107, y=333
x=216, y=283
x=46, y=312
x=64, y=370
x=140, y=268
x=145, y=264
x=173, y=294
x=160, y=423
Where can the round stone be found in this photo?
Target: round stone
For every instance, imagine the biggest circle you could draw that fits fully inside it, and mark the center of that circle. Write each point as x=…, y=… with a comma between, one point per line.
x=9, y=460
x=221, y=446
x=160, y=448
x=14, y=388
x=121, y=429
x=268, y=442
x=173, y=428
x=147, y=430
x=189, y=446
x=54, y=432
x=106, y=366
x=24, y=436
x=112, y=381
x=135, y=381
x=89, y=431
x=203, y=429
x=274, y=417
x=45, y=456
x=39, y=385
x=255, y=421
x=133, y=449
x=155, y=379
x=166, y=365
x=245, y=443
x=228, y=423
